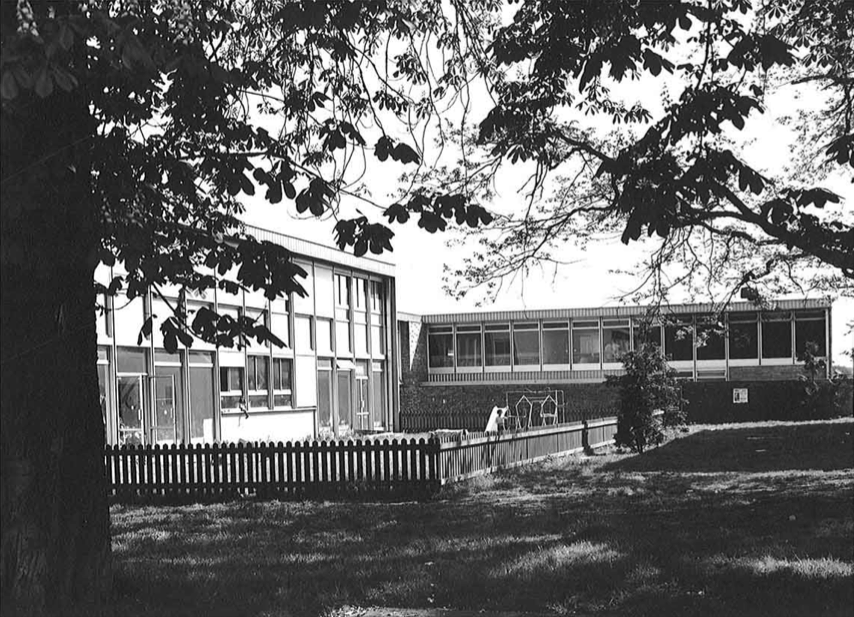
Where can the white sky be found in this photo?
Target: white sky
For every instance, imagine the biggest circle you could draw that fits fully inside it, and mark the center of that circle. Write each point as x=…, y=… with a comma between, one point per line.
x=419, y=256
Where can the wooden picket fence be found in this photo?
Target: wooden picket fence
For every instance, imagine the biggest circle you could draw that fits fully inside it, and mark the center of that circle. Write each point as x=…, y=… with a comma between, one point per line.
x=414, y=466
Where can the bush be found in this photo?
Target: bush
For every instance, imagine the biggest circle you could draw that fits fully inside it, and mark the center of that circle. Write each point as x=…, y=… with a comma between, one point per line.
x=648, y=385
x=823, y=398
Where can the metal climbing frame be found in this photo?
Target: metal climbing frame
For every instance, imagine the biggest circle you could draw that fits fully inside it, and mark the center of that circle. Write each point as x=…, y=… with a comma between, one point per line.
x=529, y=408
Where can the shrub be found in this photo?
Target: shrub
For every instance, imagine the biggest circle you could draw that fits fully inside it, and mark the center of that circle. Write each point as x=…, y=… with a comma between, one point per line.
x=823, y=398
x=648, y=385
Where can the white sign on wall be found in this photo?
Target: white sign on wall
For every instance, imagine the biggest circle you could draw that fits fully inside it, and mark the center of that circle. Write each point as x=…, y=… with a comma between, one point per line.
x=739, y=395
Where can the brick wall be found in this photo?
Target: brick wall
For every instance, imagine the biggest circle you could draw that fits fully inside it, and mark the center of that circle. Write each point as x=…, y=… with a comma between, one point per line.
x=786, y=372
x=425, y=407
x=711, y=402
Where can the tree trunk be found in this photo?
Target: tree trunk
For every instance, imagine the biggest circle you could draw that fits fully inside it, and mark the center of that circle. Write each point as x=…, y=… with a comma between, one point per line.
x=55, y=552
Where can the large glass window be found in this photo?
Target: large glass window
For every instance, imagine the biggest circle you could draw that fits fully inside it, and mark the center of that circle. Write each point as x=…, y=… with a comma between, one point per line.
x=360, y=289
x=282, y=384
x=324, y=396
x=496, y=342
x=615, y=339
x=378, y=396
x=257, y=380
x=810, y=328
x=644, y=331
x=776, y=335
x=345, y=400
x=377, y=340
x=585, y=342
x=468, y=346
x=555, y=343
x=279, y=323
x=679, y=340
x=440, y=346
x=526, y=344
x=743, y=336
x=201, y=397
x=231, y=387
x=168, y=413
x=710, y=339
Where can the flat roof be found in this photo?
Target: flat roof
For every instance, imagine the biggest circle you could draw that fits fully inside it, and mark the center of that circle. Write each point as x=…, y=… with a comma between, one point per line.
x=319, y=252
x=615, y=311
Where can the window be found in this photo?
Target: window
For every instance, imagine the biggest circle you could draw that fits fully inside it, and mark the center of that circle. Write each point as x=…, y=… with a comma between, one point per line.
x=468, y=346
x=342, y=290
x=231, y=387
x=379, y=395
x=615, y=339
x=585, y=342
x=360, y=289
x=282, y=388
x=646, y=332
x=130, y=360
x=342, y=338
x=777, y=335
x=377, y=340
x=526, y=344
x=496, y=342
x=555, y=343
x=257, y=381
x=324, y=396
x=104, y=389
x=710, y=339
x=440, y=347
x=810, y=328
x=376, y=296
x=201, y=397
x=324, y=336
x=345, y=400
x=743, y=336
x=302, y=334
x=679, y=340
x=279, y=323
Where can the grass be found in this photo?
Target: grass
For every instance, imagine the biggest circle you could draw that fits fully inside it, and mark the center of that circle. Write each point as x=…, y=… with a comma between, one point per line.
x=734, y=520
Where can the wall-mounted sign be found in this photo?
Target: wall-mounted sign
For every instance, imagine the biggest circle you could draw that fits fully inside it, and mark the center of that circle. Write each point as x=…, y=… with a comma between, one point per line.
x=739, y=395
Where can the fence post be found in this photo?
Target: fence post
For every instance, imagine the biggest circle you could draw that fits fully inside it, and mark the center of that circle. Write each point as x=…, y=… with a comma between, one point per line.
x=585, y=437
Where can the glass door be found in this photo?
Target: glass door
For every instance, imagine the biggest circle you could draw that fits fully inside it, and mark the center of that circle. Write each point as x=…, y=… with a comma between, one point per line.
x=363, y=413
x=163, y=426
x=130, y=395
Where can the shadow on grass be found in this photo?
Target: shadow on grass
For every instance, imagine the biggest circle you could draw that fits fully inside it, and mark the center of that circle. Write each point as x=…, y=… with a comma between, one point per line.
x=561, y=537
x=816, y=446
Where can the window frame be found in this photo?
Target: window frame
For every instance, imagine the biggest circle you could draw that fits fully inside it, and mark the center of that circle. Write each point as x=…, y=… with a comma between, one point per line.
x=491, y=331
x=556, y=326
x=586, y=325
x=475, y=331
x=442, y=331
x=614, y=324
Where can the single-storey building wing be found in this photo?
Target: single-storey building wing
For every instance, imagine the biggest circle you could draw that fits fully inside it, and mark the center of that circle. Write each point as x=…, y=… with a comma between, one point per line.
x=459, y=365
x=336, y=376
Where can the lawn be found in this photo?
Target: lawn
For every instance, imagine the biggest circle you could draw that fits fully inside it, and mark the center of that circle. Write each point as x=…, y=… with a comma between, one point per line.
x=734, y=520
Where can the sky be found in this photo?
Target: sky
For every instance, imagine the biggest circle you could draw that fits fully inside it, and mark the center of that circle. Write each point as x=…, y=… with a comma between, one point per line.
x=587, y=281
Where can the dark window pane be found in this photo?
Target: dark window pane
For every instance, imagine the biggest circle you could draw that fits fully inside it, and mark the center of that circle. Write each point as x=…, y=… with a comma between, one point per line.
x=258, y=401
x=585, y=346
x=441, y=350
x=811, y=331
x=497, y=348
x=378, y=403
x=616, y=342
x=743, y=341
x=468, y=349
x=679, y=342
x=526, y=347
x=776, y=339
x=282, y=400
x=345, y=397
x=555, y=346
x=281, y=374
x=710, y=342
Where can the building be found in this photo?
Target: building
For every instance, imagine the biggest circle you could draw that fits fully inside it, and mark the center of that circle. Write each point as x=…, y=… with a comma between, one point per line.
x=460, y=365
x=337, y=374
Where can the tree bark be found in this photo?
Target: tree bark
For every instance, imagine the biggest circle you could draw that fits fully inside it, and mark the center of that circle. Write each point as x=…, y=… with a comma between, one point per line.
x=54, y=514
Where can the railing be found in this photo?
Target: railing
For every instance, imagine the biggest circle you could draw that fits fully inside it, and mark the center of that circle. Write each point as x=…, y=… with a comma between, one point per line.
x=408, y=466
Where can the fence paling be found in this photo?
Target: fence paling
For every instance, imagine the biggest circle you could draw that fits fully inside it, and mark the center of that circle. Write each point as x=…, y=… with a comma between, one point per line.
x=408, y=464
